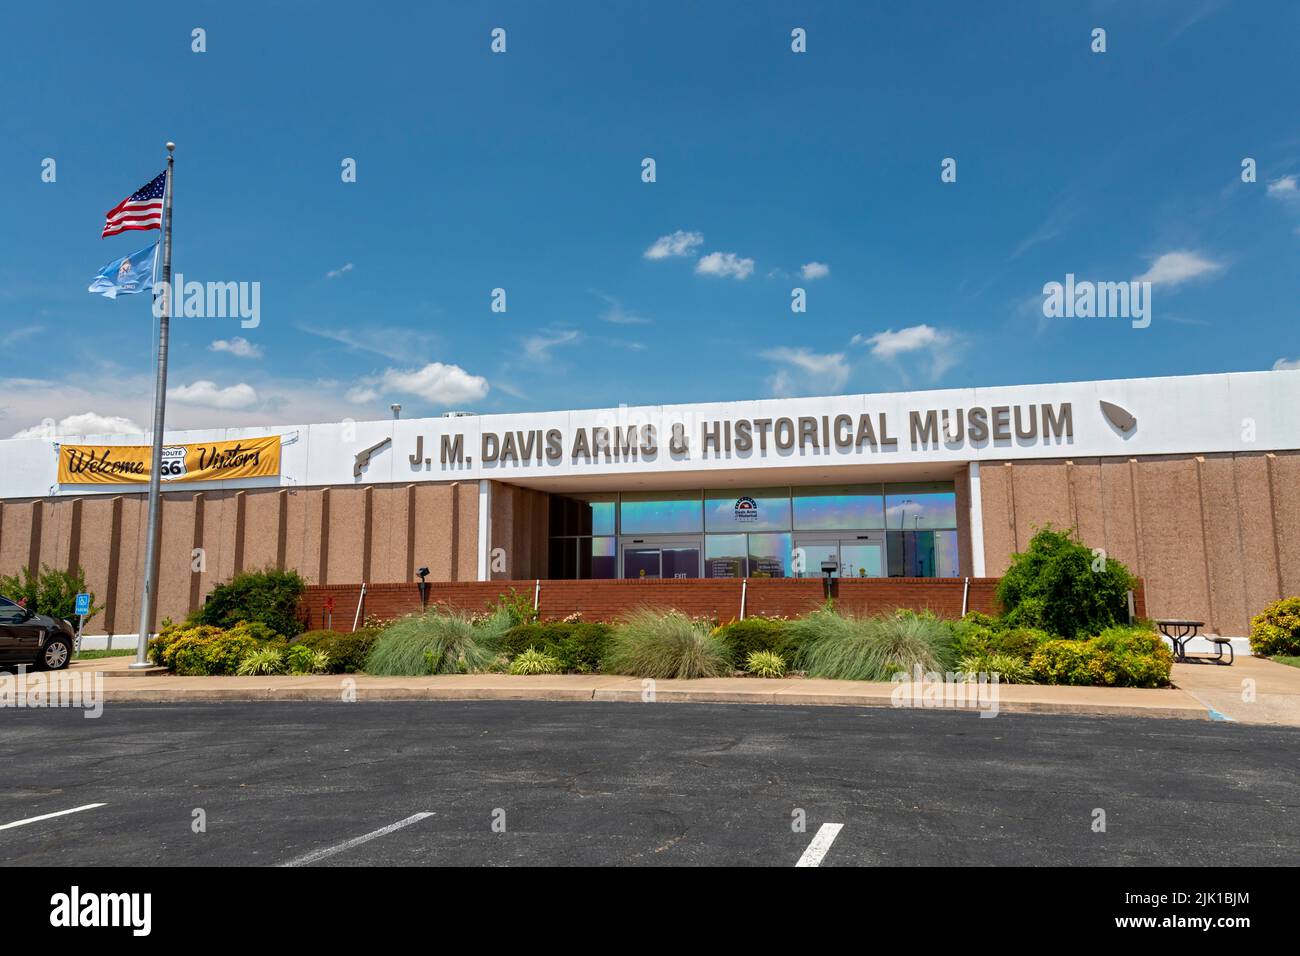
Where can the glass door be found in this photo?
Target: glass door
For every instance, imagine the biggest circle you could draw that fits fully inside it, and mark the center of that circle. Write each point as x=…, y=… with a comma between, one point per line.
x=661, y=557
x=855, y=556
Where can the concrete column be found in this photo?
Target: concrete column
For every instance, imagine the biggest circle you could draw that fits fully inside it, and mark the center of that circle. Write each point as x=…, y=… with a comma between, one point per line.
x=484, y=529
x=976, y=522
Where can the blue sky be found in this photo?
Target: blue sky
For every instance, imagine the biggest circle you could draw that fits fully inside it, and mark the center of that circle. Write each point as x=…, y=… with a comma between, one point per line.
x=522, y=171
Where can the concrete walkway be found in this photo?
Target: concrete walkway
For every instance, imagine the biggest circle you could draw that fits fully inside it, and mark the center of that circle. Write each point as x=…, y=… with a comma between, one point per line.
x=1253, y=690
x=120, y=685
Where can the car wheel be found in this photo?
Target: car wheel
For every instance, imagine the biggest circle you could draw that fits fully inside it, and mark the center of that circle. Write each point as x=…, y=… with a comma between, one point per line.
x=55, y=654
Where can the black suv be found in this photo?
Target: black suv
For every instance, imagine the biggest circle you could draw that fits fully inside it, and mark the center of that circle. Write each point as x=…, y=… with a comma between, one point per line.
x=38, y=640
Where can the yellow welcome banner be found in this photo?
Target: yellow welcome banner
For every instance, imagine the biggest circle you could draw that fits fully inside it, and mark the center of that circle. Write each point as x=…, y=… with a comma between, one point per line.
x=201, y=461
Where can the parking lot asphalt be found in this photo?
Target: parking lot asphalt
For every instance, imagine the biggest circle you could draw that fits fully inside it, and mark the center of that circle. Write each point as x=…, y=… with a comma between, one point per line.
x=553, y=783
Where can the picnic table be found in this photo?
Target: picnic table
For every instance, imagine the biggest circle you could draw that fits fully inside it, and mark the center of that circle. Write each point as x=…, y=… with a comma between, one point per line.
x=1180, y=632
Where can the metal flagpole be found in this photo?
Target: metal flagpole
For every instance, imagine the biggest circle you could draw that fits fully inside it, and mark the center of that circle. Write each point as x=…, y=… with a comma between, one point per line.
x=149, y=591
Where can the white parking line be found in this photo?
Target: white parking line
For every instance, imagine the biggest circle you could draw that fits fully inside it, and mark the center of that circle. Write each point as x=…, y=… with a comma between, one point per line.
x=49, y=816
x=356, y=841
x=821, y=842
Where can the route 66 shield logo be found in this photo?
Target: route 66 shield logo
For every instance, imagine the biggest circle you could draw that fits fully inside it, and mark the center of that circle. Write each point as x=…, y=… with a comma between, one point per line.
x=173, y=462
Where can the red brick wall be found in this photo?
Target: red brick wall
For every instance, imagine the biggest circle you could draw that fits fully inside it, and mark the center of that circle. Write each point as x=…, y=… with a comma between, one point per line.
x=709, y=597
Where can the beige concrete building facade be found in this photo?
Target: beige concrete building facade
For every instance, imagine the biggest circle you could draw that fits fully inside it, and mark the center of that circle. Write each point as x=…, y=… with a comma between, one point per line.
x=1211, y=523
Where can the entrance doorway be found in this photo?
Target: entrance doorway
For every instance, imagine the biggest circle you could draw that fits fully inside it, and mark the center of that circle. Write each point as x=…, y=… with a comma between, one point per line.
x=660, y=557
x=854, y=556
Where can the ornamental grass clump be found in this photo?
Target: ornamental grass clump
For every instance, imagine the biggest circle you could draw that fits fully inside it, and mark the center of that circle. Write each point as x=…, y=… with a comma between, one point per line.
x=665, y=644
x=857, y=647
x=437, y=642
x=765, y=664
x=533, y=661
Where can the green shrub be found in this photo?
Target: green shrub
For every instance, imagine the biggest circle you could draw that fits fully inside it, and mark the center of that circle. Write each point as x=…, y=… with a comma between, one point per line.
x=1276, y=629
x=436, y=642
x=347, y=652
x=518, y=606
x=52, y=591
x=578, y=646
x=757, y=634
x=205, y=650
x=268, y=597
x=765, y=664
x=302, y=659
x=533, y=661
x=1053, y=586
x=266, y=660
x=1118, y=657
x=1017, y=642
x=1009, y=668
x=855, y=647
x=665, y=644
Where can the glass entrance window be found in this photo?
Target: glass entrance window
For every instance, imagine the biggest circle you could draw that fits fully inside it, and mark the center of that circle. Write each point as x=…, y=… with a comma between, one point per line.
x=725, y=556
x=759, y=509
x=861, y=560
x=769, y=555
x=660, y=512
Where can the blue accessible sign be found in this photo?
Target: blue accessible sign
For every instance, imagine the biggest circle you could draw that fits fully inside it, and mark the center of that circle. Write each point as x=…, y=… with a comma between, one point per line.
x=83, y=604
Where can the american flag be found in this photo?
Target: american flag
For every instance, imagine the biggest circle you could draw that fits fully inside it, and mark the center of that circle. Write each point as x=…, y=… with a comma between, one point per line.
x=142, y=209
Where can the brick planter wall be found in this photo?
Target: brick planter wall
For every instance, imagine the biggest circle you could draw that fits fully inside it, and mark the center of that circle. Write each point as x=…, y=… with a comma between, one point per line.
x=707, y=597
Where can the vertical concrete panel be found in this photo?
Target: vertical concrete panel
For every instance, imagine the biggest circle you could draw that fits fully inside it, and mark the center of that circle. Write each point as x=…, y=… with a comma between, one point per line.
x=1256, y=520
x=388, y=535
x=261, y=529
x=999, y=531
x=467, y=530
x=174, y=574
x=1225, y=555
x=1173, y=558
x=1085, y=493
x=220, y=521
x=15, y=536
x=504, y=500
x=1285, y=485
x=346, y=535
x=130, y=565
x=56, y=533
x=1116, y=506
x=302, y=533
x=961, y=484
x=96, y=552
x=433, y=523
x=1041, y=494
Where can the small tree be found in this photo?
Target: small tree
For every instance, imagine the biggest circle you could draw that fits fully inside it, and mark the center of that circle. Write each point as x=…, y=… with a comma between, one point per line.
x=268, y=597
x=1059, y=585
x=51, y=592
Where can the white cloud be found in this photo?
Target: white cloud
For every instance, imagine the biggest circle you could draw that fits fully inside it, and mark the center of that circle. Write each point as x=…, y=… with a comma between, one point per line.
x=1285, y=188
x=616, y=314
x=238, y=345
x=84, y=423
x=394, y=343
x=942, y=347
x=14, y=336
x=210, y=395
x=680, y=243
x=1175, y=268
x=807, y=372
x=815, y=270
x=1286, y=365
x=436, y=383
x=725, y=264
x=335, y=273
x=538, y=347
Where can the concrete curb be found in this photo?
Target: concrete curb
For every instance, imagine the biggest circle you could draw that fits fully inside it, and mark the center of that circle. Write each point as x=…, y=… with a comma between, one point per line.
x=1171, y=705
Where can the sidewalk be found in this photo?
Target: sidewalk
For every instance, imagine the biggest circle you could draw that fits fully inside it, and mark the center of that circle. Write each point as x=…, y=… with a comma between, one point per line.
x=1275, y=689
x=120, y=686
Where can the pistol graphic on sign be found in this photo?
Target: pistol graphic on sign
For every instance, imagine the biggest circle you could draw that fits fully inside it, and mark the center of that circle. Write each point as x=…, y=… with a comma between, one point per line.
x=363, y=456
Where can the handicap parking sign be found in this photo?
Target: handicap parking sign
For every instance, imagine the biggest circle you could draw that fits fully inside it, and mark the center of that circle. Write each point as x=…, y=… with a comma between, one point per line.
x=83, y=603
